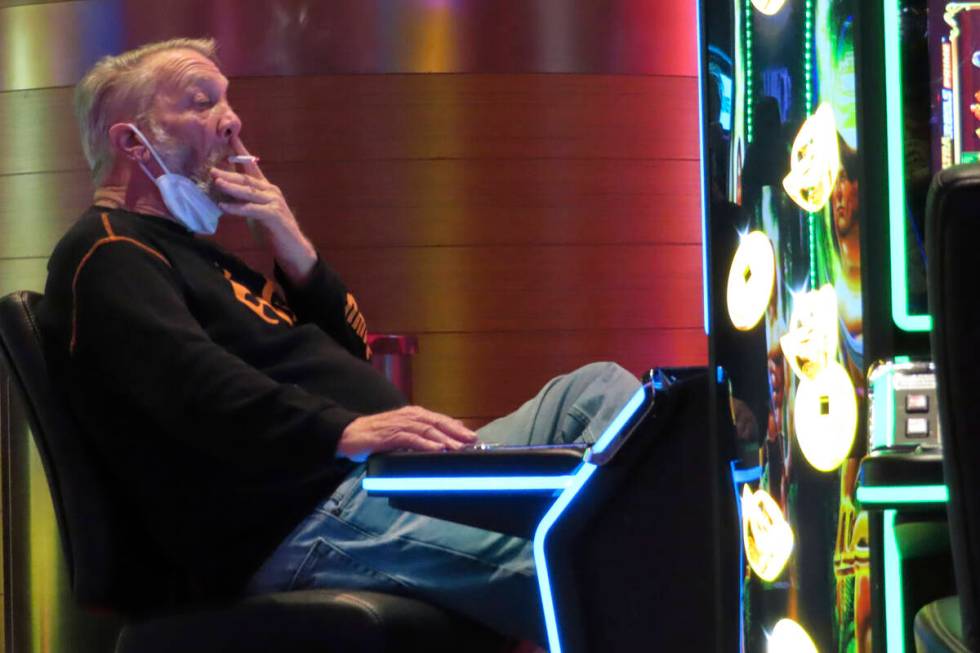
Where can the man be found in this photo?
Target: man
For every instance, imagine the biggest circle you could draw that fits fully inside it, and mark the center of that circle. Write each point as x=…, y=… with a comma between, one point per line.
x=229, y=416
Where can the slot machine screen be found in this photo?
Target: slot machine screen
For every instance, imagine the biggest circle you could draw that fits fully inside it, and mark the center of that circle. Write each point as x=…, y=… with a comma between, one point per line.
x=956, y=82
x=783, y=172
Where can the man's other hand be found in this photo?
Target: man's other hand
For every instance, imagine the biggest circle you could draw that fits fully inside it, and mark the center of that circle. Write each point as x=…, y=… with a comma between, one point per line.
x=411, y=427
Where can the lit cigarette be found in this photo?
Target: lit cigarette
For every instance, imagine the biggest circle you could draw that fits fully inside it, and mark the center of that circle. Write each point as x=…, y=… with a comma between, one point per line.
x=243, y=158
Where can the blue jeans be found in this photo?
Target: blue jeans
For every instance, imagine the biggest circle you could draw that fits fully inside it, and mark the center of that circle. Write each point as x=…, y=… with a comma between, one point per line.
x=358, y=542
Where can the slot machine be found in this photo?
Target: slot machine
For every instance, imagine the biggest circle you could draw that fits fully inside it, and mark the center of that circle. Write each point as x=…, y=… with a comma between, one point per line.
x=823, y=122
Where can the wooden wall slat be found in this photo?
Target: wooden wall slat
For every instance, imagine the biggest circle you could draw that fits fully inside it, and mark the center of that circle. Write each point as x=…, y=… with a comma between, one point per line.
x=471, y=116
x=346, y=117
x=420, y=202
x=38, y=132
x=23, y=274
x=487, y=375
x=424, y=290
x=524, y=288
x=453, y=289
x=36, y=210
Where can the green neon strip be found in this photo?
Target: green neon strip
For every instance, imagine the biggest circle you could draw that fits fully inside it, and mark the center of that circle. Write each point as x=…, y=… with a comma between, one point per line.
x=894, y=612
x=808, y=103
x=808, y=56
x=890, y=412
x=896, y=176
x=812, y=228
x=884, y=410
x=903, y=494
x=749, y=109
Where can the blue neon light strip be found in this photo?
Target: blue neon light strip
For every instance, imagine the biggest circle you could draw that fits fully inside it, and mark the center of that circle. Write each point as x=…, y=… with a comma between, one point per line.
x=581, y=477
x=540, y=560
x=704, y=179
x=903, y=494
x=740, y=476
x=467, y=483
x=617, y=424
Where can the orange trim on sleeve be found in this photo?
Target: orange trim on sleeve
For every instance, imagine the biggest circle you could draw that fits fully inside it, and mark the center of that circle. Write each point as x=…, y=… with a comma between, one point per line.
x=111, y=238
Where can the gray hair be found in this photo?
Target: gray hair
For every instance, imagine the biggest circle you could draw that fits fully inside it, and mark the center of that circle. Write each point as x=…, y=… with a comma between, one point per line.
x=118, y=81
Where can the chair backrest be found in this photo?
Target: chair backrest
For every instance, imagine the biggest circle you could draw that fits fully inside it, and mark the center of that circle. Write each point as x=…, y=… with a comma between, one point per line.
x=107, y=556
x=952, y=239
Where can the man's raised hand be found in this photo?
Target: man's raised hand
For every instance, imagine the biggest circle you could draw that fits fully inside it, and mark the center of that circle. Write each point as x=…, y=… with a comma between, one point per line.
x=260, y=200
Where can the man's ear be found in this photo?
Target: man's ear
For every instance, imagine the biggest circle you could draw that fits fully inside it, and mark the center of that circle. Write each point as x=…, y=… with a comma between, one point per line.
x=124, y=142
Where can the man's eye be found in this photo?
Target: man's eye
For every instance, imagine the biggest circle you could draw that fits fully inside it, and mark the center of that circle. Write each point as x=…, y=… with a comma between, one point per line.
x=203, y=101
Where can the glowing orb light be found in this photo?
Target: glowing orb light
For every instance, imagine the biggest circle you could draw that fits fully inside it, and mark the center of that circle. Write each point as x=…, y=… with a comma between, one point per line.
x=814, y=161
x=825, y=417
x=750, y=280
x=766, y=535
x=789, y=637
x=810, y=344
x=768, y=7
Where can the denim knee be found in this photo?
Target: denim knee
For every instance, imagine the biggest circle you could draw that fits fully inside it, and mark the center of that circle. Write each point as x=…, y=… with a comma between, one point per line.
x=607, y=371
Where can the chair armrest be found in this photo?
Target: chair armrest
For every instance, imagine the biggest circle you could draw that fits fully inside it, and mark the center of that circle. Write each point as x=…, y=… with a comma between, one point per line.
x=393, y=344
x=392, y=356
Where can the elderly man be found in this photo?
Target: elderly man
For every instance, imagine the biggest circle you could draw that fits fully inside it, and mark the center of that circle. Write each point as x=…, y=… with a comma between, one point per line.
x=229, y=414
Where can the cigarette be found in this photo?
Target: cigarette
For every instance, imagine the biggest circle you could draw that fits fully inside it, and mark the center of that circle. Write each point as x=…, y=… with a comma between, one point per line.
x=243, y=158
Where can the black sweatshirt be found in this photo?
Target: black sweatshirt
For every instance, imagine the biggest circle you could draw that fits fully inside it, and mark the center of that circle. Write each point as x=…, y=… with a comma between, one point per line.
x=214, y=404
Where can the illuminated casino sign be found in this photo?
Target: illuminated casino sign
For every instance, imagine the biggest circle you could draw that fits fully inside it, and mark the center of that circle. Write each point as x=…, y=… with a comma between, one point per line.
x=960, y=95
x=947, y=105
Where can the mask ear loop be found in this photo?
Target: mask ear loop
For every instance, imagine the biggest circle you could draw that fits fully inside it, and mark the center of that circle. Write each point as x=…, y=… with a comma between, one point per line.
x=156, y=156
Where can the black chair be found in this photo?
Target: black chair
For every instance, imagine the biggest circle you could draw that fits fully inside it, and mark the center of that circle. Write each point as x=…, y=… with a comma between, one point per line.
x=101, y=547
x=952, y=238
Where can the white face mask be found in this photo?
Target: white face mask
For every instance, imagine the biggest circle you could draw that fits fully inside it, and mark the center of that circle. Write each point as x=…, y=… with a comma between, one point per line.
x=187, y=202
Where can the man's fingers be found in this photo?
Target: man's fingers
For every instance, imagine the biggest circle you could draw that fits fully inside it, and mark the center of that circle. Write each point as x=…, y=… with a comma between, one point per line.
x=435, y=433
x=417, y=443
x=447, y=425
x=245, y=210
x=238, y=178
x=241, y=192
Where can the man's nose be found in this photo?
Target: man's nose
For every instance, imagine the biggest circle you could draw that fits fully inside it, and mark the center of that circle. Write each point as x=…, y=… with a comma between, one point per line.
x=229, y=126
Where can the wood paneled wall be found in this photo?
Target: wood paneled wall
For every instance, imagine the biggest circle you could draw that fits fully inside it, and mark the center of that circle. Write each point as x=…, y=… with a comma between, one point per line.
x=521, y=225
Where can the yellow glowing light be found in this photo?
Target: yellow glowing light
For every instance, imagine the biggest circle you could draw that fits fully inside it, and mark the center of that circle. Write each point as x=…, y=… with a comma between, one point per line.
x=766, y=535
x=814, y=161
x=789, y=637
x=826, y=417
x=768, y=7
x=810, y=343
x=750, y=280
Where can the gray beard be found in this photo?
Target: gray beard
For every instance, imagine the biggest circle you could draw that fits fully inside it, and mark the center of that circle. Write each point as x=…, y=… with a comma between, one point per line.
x=177, y=157
x=202, y=177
